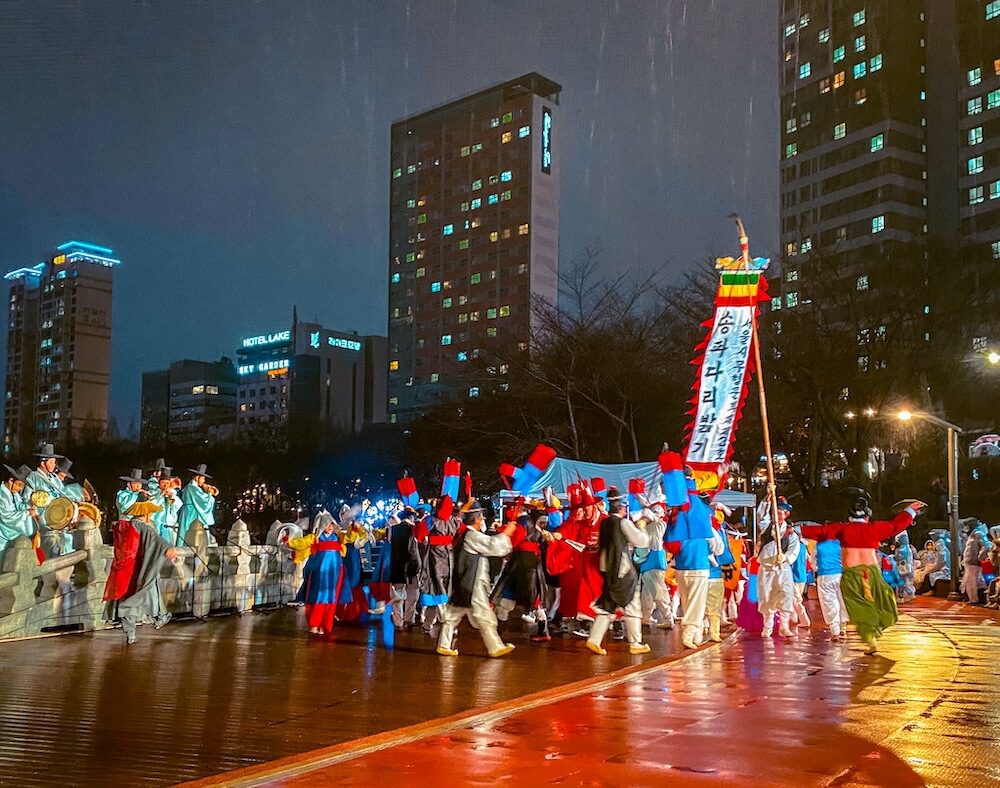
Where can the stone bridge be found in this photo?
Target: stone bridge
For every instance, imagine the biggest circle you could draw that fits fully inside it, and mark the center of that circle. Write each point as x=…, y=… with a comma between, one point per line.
x=64, y=594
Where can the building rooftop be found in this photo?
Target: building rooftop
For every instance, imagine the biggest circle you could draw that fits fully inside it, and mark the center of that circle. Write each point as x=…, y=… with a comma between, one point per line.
x=532, y=82
x=71, y=250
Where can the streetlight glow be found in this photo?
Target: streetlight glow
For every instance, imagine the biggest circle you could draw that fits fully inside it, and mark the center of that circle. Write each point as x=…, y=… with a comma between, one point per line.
x=870, y=412
x=904, y=415
x=993, y=357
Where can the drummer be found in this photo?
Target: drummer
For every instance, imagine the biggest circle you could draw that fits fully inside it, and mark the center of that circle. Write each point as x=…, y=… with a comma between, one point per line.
x=129, y=494
x=16, y=515
x=71, y=489
x=166, y=497
x=44, y=477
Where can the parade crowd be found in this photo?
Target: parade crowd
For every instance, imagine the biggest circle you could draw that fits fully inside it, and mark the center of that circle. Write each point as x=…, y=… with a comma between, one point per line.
x=600, y=561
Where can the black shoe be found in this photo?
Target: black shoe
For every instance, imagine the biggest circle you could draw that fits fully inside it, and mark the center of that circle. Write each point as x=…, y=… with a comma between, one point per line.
x=617, y=631
x=582, y=629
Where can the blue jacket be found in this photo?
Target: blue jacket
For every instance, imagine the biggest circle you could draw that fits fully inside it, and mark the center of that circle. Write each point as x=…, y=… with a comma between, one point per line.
x=692, y=555
x=828, y=558
x=799, y=567
x=726, y=557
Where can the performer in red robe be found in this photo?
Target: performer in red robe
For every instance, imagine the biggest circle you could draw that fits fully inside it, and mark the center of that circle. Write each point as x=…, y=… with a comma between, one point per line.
x=582, y=583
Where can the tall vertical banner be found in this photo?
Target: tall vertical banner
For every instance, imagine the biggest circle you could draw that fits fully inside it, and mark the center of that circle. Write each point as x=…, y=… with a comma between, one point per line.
x=725, y=366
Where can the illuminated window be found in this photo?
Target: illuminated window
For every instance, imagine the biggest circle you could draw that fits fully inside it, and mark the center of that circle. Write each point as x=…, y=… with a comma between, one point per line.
x=976, y=195
x=992, y=9
x=421, y=272
x=475, y=279
x=476, y=203
x=839, y=131
x=494, y=180
x=522, y=229
x=875, y=64
x=805, y=70
x=411, y=256
x=791, y=126
x=995, y=246
x=491, y=313
x=862, y=282
x=993, y=99
x=975, y=135
x=859, y=18
x=996, y=66
x=860, y=96
x=838, y=80
x=463, y=318
x=446, y=303
x=824, y=35
x=435, y=287
x=791, y=249
x=806, y=246
x=974, y=76
x=506, y=137
x=860, y=69
x=791, y=299
x=477, y=147
x=506, y=234
x=877, y=143
x=463, y=244
x=462, y=356
x=411, y=169
x=878, y=224
x=473, y=391
x=775, y=303
x=506, y=175
x=197, y=389
x=211, y=389
x=393, y=365
x=465, y=150
x=505, y=195
x=477, y=184
x=395, y=278
x=839, y=53
x=411, y=203
x=446, y=339
x=505, y=311
x=824, y=85
x=974, y=106
x=435, y=377
x=396, y=173
x=859, y=44
x=790, y=29
x=474, y=316
x=975, y=165
x=448, y=229
x=492, y=199
x=494, y=235
x=791, y=149
x=508, y=117
x=995, y=190
x=492, y=332
x=524, y=131
x=804, y=21
x=422, y=218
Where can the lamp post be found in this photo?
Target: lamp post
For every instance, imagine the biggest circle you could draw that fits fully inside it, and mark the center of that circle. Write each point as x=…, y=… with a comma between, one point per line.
x=953, y=431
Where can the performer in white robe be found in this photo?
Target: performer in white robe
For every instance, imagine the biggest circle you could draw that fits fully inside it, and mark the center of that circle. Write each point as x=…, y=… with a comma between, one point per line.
x=775, y=585
x=471, y=586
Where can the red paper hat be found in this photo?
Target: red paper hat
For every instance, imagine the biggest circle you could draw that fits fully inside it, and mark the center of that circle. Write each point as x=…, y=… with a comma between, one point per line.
x=445, y=507
x=575, y=494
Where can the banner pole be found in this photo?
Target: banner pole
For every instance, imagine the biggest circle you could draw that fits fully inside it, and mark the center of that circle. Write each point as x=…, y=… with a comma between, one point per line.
x=761, y=396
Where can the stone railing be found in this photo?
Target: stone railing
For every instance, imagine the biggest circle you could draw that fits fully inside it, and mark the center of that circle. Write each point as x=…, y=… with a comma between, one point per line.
x=65, y=593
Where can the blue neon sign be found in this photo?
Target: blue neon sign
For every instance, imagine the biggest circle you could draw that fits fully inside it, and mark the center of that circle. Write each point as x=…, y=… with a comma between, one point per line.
x=546, y=140
x=267, y=339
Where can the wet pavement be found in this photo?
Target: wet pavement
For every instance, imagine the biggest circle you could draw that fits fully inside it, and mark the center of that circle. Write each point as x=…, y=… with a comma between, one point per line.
x=199, y=698
x=925, y=711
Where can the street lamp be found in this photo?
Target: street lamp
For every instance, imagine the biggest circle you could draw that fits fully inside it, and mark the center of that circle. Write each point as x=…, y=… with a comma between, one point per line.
x=953, y=431
x=993, y=357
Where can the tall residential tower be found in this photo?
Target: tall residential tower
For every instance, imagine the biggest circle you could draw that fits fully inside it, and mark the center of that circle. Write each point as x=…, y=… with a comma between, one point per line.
x=473, y=239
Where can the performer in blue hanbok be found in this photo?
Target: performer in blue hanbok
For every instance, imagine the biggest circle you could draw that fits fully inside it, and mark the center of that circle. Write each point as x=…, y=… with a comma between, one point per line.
x=129, y=494
x=322, y=576
x=44, y=477
x=71, y=489
x=165, y=520
x=15, y=512
x=198, y=499
x=905, y=566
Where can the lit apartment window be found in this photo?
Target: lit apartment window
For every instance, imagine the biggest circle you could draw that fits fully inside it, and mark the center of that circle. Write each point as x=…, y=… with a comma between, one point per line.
x=506, y=137
x=775, y=303
x=875, y=64
x=411, y=203
x=435, y=287
x=791, y=249
x=465, y=150
x=793, y=275
x=505, y=176
x=476, y=203
x=806, y=246
x=463, y=318
x=475, y=279
x=993, y=99
x=463, y=244
x=878, y=224
x=421, y=272
x=522, y=229
x=395, y=279
x=996, y=66
x=505, y=311
x=393, y=365
x=791, y=299
x=859, y=44
x=411, y=169
x=477, y=147
x=494, y=236
x=995, y=190
x=877, y=143
x=508, y=117
x=791, y=126
x=805, y=70
x=435, y=377
x=824, y=35
x=995, y=246
x=396, y=173
x=446, y=339
x=860, y=69
x=473, y=391
x=975, y=135
x=839, y=131
x=477, y=184
x=493, y=180
x=491, y=313
x=974, y=106
x=790, y=29
x=448, y=229
x=524, y=131
x=492, y=199
x=860, y=96
x=804, y=21
x=975, y=165
x=824, y=85
x=446, y=303
x=422, y=218
x=494, y=122
x=838, y=80
x=505, y=195
x=974, y=76
x=976, y=195
x=859, y=18
x=992, y=9
x=791, y=149
x=839, y=54
x=862, y=282
x=462, y=356
x=863, y=363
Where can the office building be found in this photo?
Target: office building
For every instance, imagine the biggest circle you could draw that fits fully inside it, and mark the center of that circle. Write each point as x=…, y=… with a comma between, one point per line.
x=473, y=239
x=300, y=384
x=189, y=403
x=59, y=348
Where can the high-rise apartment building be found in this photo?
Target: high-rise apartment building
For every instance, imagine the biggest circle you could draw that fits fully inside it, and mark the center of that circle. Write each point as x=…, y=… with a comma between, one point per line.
x=473, y=239
x=890, y=163
x=189, y=403
x=59, y=348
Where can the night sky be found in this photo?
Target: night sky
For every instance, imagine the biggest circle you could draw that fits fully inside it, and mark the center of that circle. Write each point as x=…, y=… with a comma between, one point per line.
x=235, y=154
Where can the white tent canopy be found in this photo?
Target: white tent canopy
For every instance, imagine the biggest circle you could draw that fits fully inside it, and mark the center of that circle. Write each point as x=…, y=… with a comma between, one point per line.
x=562, y=473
